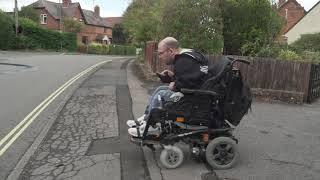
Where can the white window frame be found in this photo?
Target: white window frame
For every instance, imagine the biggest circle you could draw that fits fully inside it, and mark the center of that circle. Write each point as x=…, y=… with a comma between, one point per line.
x=43, y=18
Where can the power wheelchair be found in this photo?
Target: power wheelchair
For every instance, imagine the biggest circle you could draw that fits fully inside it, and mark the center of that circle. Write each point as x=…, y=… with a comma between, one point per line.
x=203, y=118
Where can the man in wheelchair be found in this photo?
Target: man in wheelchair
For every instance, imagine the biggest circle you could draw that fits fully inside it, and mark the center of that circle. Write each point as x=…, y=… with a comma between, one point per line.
x=200, y=107
x=189, y=71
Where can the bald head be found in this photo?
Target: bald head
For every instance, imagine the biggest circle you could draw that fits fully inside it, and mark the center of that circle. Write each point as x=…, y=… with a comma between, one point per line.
x=169, y=42
x=167, y=49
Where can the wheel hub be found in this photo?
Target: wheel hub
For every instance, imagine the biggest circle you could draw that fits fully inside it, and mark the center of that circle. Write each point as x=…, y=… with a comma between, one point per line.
x=223, y=154
x=172, y=158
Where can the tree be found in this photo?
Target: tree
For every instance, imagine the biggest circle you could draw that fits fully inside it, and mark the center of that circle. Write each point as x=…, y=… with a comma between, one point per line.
x=30, y=13
x=72, y=25
x=196, y=23
x=119, y=35
x=307, y=42
x=142, y=20
x=249, y=25
x=6, y=30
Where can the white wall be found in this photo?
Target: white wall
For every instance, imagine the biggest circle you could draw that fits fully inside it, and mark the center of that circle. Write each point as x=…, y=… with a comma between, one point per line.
x=308, y=25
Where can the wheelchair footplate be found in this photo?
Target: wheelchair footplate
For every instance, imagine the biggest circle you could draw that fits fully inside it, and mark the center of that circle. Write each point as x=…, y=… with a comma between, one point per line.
x=146, y=141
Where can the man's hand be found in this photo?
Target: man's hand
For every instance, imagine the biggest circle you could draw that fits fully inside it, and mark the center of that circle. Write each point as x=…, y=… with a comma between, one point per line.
x=167, y=73
x=171, y=86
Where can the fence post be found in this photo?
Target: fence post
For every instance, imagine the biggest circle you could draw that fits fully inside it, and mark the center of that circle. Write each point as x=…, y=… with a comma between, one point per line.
x=314, y=83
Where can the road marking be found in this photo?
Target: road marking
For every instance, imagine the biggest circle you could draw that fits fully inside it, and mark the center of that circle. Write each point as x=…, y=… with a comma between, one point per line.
x=18, y=130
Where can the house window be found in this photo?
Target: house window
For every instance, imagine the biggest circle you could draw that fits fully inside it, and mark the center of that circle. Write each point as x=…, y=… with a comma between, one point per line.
x=43, y=18
x=105, y=30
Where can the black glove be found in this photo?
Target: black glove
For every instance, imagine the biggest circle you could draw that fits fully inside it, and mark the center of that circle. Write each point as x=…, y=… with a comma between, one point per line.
x=164, y=78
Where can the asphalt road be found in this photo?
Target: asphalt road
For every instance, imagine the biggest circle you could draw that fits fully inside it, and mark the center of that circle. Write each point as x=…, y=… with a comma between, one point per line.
x=26, y=79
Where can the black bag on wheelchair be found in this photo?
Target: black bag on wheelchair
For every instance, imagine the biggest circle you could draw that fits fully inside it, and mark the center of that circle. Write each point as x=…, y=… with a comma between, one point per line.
x=236, y=92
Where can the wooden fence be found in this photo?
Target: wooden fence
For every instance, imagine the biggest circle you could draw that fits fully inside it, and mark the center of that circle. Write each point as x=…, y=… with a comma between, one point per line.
x=270, y=79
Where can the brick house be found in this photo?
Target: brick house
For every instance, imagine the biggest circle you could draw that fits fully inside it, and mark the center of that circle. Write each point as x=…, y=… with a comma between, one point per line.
x=308, y=24
x=291, y=11
x=113, y=20
x=95, y=28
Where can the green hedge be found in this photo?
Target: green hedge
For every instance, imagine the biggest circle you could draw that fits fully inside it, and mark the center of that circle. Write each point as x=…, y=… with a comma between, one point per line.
x=122, y=50
x=33, y=36
x=6, y=31
x=39, y=37
x=95, y=48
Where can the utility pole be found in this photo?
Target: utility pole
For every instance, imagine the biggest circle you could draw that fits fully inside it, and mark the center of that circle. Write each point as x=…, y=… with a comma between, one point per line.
x=60, y=24
x=16, y=16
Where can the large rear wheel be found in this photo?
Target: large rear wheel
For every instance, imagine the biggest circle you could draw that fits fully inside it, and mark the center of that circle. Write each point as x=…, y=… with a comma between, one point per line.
x=222, y=153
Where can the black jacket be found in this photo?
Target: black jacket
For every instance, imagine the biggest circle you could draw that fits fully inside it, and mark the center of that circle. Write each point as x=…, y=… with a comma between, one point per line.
x=190, y=68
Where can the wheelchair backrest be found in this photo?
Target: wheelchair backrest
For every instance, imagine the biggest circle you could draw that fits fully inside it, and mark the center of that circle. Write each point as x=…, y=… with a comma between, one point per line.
x=219, y=66
x=229, y=83
x=216, y=72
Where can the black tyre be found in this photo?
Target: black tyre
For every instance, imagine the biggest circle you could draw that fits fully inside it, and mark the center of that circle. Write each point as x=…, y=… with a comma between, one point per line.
x=222, y=153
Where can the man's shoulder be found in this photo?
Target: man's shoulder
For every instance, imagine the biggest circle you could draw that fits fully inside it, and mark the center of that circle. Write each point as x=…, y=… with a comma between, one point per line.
x=192, y=55
x=183, y=59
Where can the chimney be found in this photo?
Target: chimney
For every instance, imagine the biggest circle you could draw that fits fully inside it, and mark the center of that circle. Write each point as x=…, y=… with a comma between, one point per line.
x=65, y=3
x=97, y=10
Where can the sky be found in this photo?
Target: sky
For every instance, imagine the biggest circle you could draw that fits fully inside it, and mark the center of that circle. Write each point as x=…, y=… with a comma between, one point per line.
x=111, y=8
x=108, y=8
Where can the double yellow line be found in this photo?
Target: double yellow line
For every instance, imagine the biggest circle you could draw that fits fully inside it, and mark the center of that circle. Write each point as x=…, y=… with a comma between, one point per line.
x=9, y=139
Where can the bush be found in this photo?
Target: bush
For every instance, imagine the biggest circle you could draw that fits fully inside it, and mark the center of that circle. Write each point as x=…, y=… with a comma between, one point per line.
x=39, y=37
x=311, y=56
x=82, y=48
x=72, y=25
x=6, y=30
x=307, y=42
x=23, y=42
x=268, y=52
x=69, y=40
x=288, y=55
x=251, y=48
x=105, y=49
x=271, y=51
x=122, y=50
x=95, y=48
x=30, y=13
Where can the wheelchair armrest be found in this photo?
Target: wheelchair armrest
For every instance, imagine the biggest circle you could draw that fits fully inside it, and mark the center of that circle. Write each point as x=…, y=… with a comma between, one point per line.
x=199, y=92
